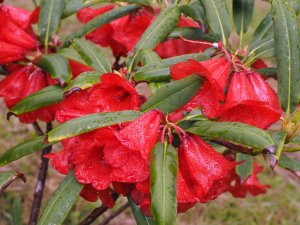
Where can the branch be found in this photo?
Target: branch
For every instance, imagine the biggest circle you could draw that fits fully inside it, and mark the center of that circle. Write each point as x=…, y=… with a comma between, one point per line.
x=40, y=185
x=114, y=214
x=19, y=175
x=97, y=212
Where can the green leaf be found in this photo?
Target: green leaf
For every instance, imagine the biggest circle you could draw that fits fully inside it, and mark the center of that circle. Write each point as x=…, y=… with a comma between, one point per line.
x=59, y=205
x=264, y=29
x=286, y=34
x=148, y=56
x=57, y=66
x=160, y=71
x=6, y=177
x=279, y=140
x=159, y=30
x=262, y=48
x=49, y=19
x=84, y=80
x=192, y=33
x=17, y=211
x=71, y=54
x=173, y=95
x=244, y=169
x=22, y=149
x=194, y=10
x=242, y=14
x=47, y=96
x=92, y=55
x=90, y=122
x=72, y=6
x=234, y=132
x=163, y=179
x=140, y=2
x=268, y=72
x=139, y=216
x=288, y=163
x=218, y=18
x=100, y=21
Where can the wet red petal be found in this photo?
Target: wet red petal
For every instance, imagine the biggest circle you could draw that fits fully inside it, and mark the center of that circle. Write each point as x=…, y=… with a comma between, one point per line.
x=10, y=53
x=78, y=68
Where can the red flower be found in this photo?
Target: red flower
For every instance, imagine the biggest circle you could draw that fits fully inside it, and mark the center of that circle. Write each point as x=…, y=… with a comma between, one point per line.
x=114, y=93
x=251, y=100
x=251, y=184
x=19, y=16
x=259, y=64
x=10, y=53
x=78, y=68
x=21, y=83
x=216, y=72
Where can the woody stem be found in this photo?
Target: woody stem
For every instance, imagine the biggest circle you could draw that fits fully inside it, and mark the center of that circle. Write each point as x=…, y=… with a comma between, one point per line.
x=114, y=214
x=40, y=185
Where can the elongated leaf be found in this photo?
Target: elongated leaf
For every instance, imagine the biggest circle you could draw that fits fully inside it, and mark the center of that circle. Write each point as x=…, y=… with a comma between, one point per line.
x=268, y=72
x=218, y=18
x=140, y=2
x=100, y=21
x=6, y=177
x=279, y=140
x=244, y=169
x=159, y=29
x=242, y=14
x=50, y=15
x=289, y=163
x=262, y=48
x=286, y=33
x=72, y=6
x=160, y=71
x=57, y=66
x=194, y=10
x=174, y=95
x=17, y=211
x=84, y=80
x=47, y=96
x=148, y=56
x=92, y=55
x=139, y=216
x=90, y=122
x=22, y=149
x=59, y=205
x=234, y=132
x=71, y=54
x=264, y=29
x=163, y=179
x=192, y=33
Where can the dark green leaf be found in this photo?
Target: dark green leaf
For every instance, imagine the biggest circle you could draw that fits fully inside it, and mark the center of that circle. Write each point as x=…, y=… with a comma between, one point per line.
x=262, y=48
x=5, y=177
x=90, y=122
x=92, y=55
x=148, y=56
x=286, y=34
x=279, y=140
x=100, y=21
x=160, y=71
x=17, y=211
x=268, y=72
x=288, y=163
x=163, y=179
x=84, y=80
x=244, y=169
x=194, y=10
x=173, y=95
x=234, y=132
x=154, y=87
x=242, y=14
x=47, y=96
x=57, y=66
x=59, y=205
x=72, y=6
x=264, y=29
x=218, y=18
x=140, y=2
x=71, y=54
x=139, y=216
x=50, y=15
x=192, y=33
x=159, y=30
x=23, y=149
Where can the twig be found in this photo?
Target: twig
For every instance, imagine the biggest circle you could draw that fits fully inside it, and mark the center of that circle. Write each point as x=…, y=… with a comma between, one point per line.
x=114, y=214
x=97, y=212
x=40, y=185
x=235, y=147
x=19, y=175
x=38, y=129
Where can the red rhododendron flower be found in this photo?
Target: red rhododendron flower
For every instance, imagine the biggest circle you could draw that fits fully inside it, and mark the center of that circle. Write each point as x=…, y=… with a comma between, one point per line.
x=250, y=185
x=114, y=93
x=251, y=100
x=10, y=53
x=259, y=64
x=19, y=16
x=78, y=68
x=23, y=82
x=216, y=72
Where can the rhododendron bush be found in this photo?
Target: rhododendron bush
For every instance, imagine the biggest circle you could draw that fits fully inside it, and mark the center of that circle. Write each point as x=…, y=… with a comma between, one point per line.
x=174, y=116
